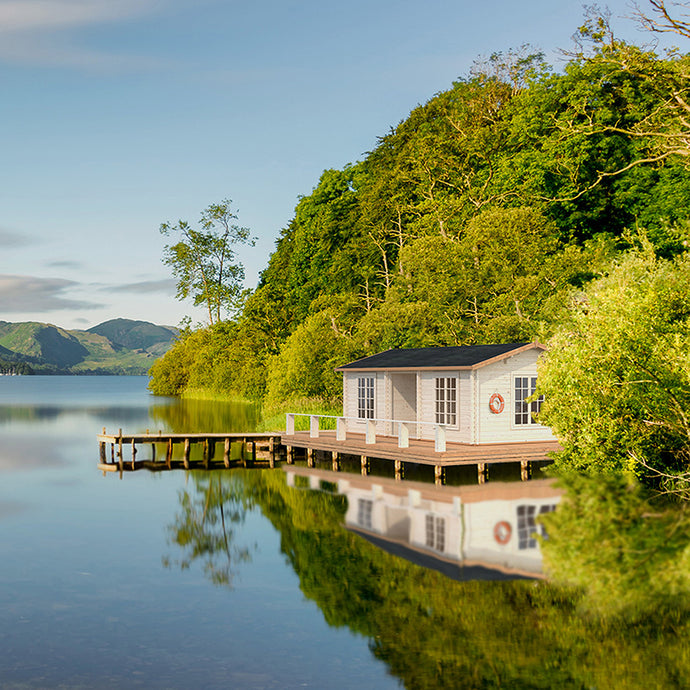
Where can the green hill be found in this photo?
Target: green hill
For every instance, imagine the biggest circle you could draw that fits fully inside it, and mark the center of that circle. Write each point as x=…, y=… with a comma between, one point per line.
x=120, y=346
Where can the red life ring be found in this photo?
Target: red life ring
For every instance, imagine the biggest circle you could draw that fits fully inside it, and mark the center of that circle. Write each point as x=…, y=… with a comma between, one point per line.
x=502, y=532
x=496, y=403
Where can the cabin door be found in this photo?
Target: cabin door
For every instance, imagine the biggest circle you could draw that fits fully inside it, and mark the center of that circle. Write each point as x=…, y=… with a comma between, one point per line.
x=404, y=401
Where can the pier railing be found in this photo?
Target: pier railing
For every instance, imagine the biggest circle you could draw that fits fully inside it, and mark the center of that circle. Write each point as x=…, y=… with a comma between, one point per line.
x=401, y=428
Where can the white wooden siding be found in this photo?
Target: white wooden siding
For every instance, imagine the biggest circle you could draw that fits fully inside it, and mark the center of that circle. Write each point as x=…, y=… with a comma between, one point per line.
x=498, y=378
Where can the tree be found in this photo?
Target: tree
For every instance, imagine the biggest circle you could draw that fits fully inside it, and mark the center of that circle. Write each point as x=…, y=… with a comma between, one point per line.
x=616, y=376
x=203, y=260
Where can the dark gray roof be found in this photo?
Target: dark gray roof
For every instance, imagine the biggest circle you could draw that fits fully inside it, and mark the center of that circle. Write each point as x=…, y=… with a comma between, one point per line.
x=433, y=357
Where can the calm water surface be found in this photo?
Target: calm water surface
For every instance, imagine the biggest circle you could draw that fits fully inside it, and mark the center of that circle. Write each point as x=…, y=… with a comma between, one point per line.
x=85, y=600
x=255, y=579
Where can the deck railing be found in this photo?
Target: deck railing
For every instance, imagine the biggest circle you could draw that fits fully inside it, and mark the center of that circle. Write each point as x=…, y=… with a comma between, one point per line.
x=341, y=427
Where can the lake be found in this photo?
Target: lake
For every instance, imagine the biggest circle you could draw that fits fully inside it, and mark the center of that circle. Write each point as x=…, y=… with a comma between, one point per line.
x=257, y=578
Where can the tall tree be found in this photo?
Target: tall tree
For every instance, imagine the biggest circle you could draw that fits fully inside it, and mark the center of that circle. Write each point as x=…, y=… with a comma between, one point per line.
x=204, y=262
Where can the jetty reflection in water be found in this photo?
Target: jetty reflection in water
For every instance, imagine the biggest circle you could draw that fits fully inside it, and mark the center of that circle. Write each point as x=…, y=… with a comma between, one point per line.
x=485, y=532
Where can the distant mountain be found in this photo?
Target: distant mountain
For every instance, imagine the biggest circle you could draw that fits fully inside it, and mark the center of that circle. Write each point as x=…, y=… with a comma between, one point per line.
x=120, y=346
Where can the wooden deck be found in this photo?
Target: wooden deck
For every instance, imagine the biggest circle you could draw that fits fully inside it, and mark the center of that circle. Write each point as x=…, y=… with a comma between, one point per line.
x=422, y=451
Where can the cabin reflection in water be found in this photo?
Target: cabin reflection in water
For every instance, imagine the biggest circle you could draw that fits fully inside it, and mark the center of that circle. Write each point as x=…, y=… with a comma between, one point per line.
x=484, y=531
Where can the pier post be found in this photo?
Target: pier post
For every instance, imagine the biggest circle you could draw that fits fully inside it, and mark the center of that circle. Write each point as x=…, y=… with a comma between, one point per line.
x=211, y=449
x=310, y=457
x=119, y=449
x=364, y=462
x=153, y=452
x=290, y=455
x=482, y=472
x=169, y=453
x=134, y=453
x=185, y=456
x=525, y=470
x=272, y=452
x=226, y=453
x=253, y=442
x=398, y=470
x=335, y=461
x=205, y=452
x=439, y=475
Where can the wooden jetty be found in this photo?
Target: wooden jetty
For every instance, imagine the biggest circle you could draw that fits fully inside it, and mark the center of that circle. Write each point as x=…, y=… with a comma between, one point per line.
x=253, y=447
x=173, y=451
x=419, y=451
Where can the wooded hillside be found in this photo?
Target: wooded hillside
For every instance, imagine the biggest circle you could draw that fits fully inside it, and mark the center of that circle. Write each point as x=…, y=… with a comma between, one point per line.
x=474, y=220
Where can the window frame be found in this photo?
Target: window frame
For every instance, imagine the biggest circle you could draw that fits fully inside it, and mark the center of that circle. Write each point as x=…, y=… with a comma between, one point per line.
x=446, y=404
x=524, y=387
x=366, y=397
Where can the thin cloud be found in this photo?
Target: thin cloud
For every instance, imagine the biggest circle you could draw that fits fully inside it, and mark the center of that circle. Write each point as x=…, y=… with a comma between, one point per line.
x=42, y=31
x=74, y=265
x=31, y=294
x=43, y=15
x=10, y=239
x=167, y=286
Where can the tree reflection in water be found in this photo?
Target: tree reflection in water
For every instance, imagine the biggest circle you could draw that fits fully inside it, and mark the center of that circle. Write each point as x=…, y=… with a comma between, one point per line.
x=431, y=631
x=205, y=527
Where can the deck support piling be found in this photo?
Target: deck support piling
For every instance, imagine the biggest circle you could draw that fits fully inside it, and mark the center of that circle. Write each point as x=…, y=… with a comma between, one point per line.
x=272, y=452
x=226, y=453
x=439, y=475
x=364, y=463
x=134, y=453
x=153, y=452
x=290, y=455
x=185, y=456
x=335, y=461
x=169, y=453
x=119, y=450
x=525, y=470
x=310, y=457
x=398, y=470
x=482, y=472
x=206, y=453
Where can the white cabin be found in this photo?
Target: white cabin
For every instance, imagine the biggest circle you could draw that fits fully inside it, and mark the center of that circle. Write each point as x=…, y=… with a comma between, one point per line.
x=477, y=393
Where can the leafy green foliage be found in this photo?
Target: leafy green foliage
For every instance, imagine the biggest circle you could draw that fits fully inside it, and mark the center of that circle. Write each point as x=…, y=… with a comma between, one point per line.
x=203, y=260
x=616, y=376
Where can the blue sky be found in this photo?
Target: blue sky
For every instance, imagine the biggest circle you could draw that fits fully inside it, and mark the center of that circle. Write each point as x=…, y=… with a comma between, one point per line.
x=119, y=115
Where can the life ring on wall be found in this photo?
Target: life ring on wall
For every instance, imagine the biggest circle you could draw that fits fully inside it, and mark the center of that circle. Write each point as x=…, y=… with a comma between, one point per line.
x=496, y=403
x=502, y=532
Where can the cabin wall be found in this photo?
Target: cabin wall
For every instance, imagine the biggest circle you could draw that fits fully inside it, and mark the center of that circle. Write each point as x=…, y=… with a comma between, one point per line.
x=499, y=378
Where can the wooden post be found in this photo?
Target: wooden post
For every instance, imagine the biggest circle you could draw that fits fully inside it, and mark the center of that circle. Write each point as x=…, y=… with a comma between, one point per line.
x=211, y=449
x=119, y=450
x=134, y=453
x=153, y=452
x=439, y=475
x=525, y=470
x=364, y=462
x=226, y=452
x=185, y=456
x=169, y=454
x=310, y=457
x=272, y=452
x=482, y=472
x=335, y=461
x=398, y=470
x=205, y=453
x=253, y=442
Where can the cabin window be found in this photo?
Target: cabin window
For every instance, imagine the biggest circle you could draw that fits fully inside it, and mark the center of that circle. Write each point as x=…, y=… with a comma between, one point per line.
x=365, y=397
x=446, y=401
x=435, y=532
x=525, y=387
x=527, y=525
x=364, y=508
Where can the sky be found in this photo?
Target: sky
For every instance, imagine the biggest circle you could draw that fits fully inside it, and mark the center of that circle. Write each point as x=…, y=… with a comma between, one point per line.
x=119, y=115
